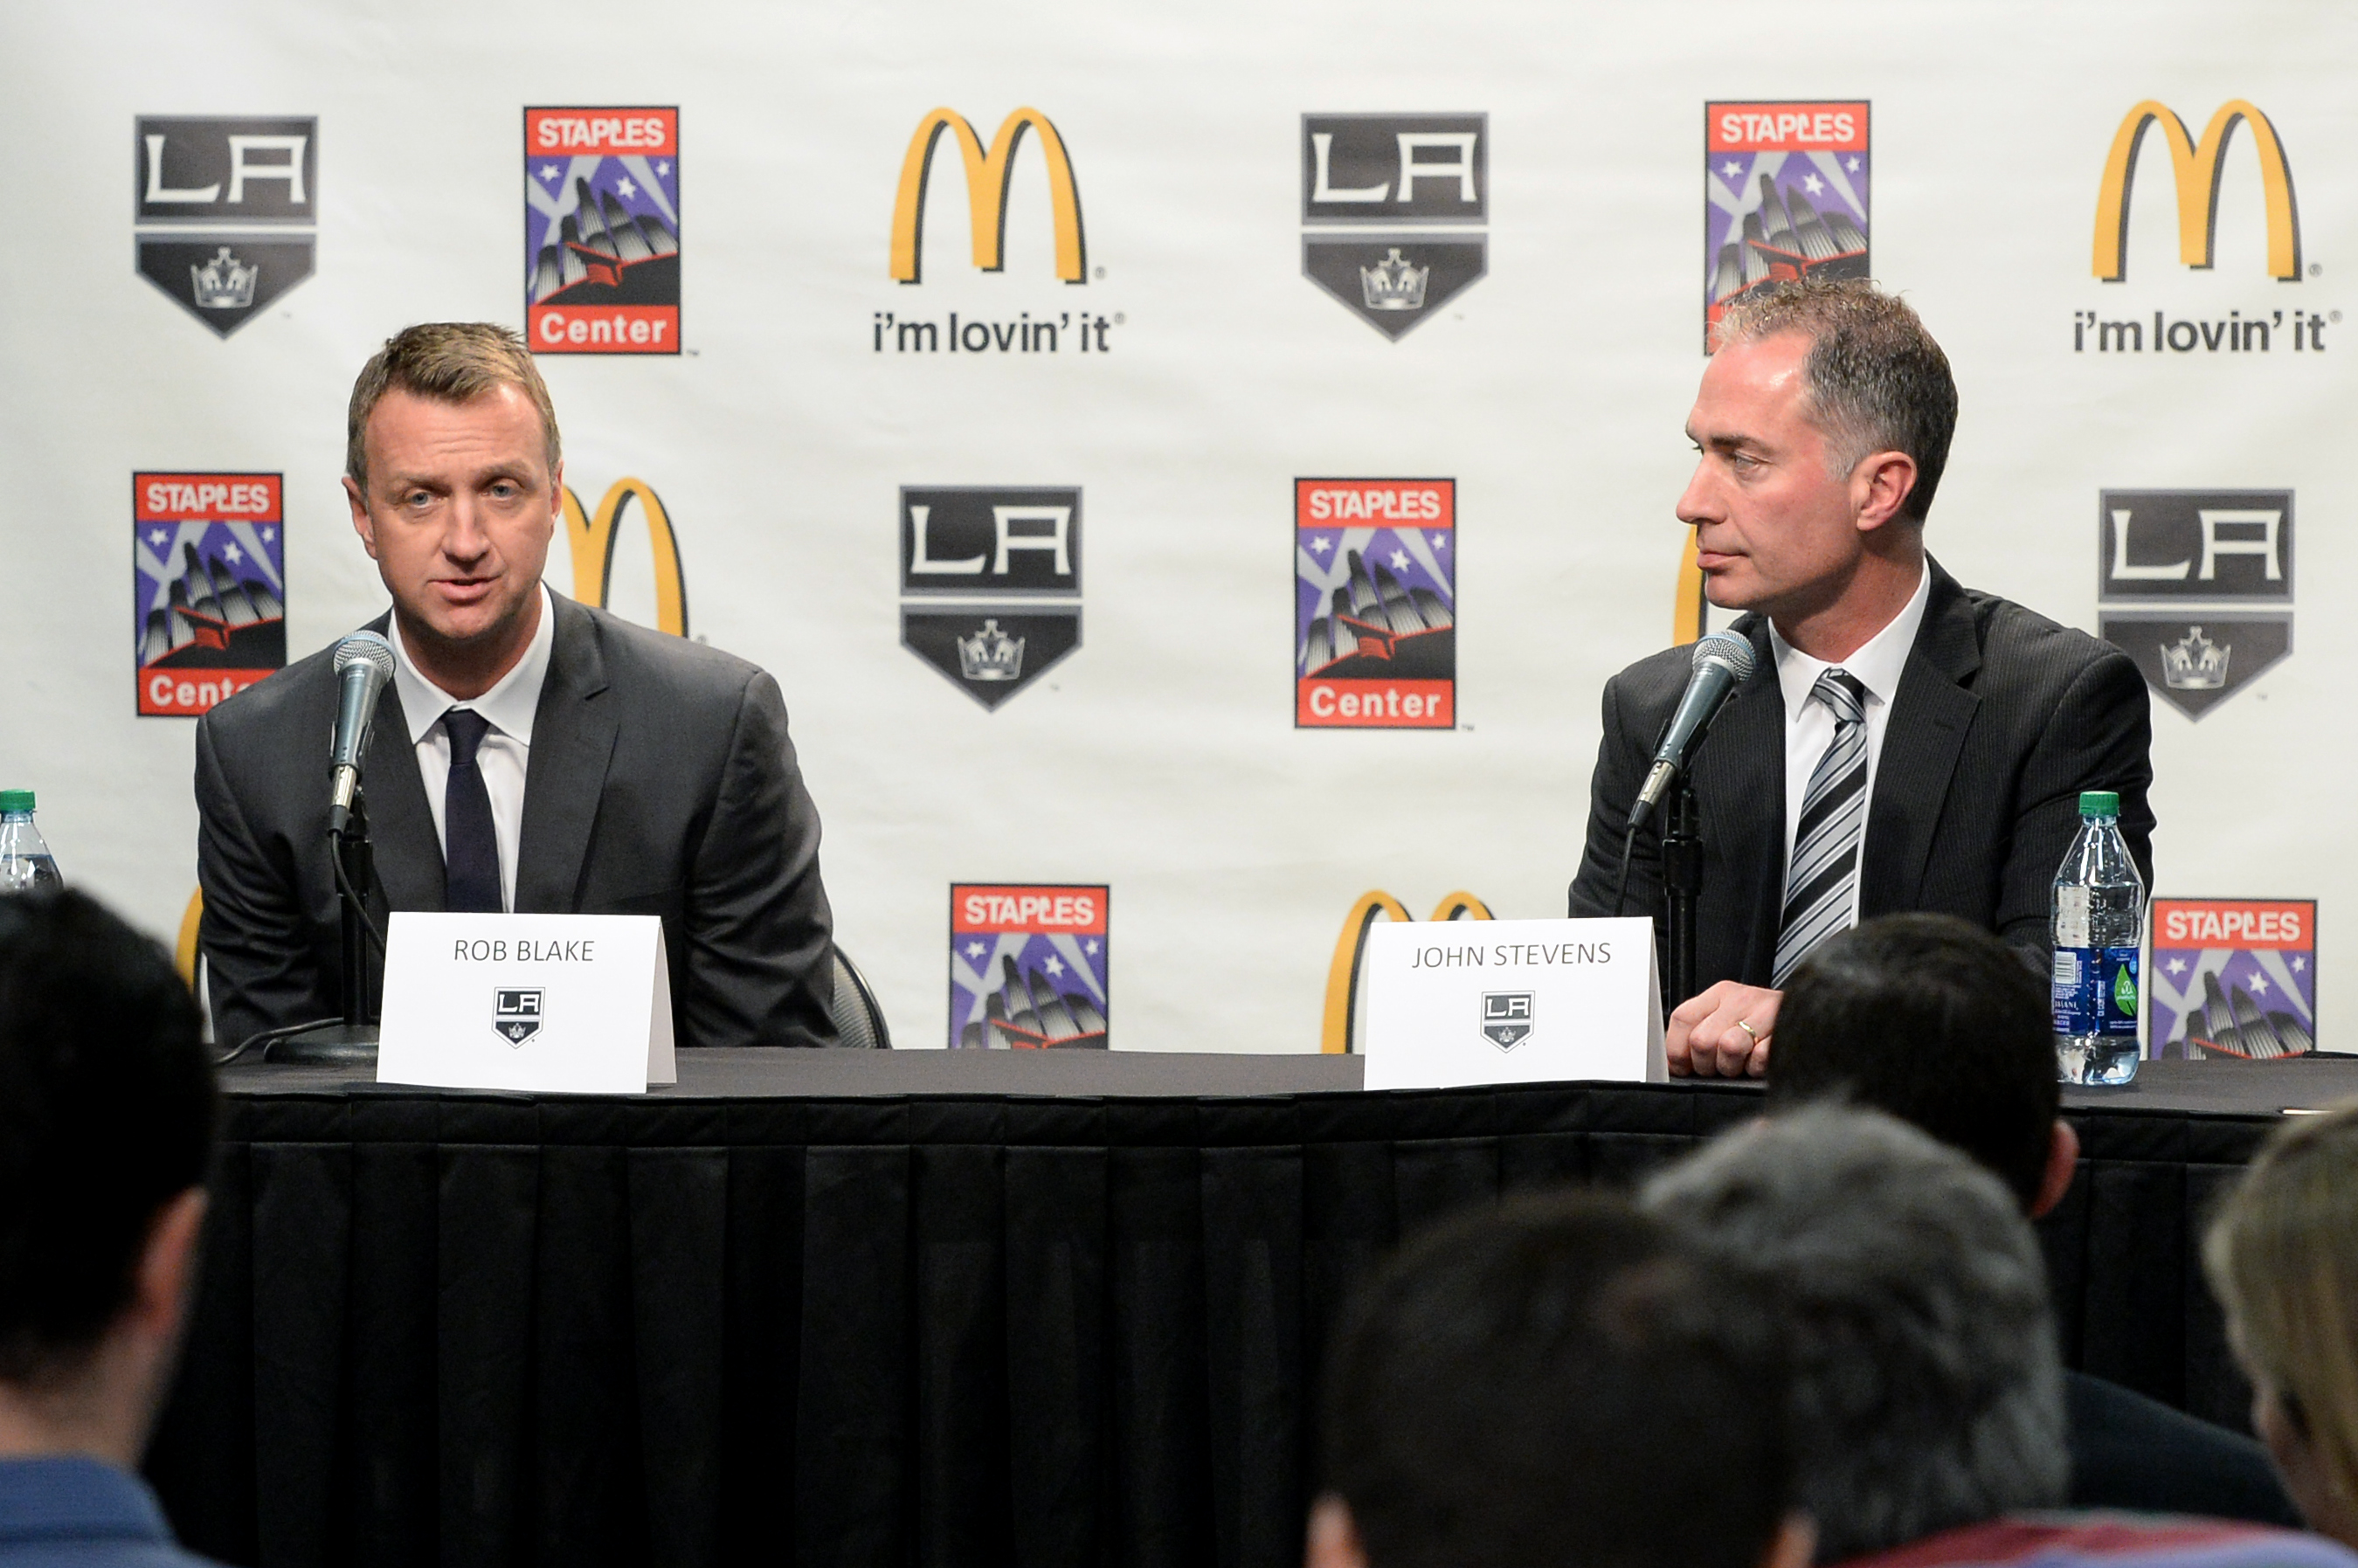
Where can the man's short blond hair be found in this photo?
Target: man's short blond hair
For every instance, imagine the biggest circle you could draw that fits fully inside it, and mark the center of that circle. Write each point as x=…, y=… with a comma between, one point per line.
x=1877, y=381
x=450, y=361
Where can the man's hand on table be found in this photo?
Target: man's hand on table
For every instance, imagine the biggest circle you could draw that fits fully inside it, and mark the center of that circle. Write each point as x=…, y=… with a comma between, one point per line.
x=1708, y=1035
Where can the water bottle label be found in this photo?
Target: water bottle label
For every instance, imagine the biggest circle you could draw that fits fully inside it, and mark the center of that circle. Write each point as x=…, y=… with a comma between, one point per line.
x=2096, y=990
x=2070, y=917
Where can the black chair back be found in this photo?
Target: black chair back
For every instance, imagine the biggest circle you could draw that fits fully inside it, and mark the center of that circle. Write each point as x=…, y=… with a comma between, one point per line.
x=859, y=1021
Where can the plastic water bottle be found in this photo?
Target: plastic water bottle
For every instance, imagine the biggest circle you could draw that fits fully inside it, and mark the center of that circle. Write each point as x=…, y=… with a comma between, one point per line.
x=2097, y=912
x=25, y=864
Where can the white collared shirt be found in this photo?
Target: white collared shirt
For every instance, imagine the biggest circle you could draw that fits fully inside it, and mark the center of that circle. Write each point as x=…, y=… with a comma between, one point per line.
x=506, y=751
x=1810, y=724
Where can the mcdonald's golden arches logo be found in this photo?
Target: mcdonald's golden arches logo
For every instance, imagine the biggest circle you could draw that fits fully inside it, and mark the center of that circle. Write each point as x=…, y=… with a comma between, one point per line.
x=591, y=538
x=2197, y=167
x=987, y=174
x=1341, y=1025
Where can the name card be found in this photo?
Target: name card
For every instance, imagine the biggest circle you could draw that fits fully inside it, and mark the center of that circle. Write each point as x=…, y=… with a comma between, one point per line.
x=574, y=1003
x=1455, y=1003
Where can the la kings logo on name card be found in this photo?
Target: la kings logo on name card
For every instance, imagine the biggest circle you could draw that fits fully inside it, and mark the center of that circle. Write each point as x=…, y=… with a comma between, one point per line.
x=602, y=231
x=990, y=582
x=1507, y=1018
x=517, y=1013
x=1394, y=211
x=226, y=211
x=2196, y=586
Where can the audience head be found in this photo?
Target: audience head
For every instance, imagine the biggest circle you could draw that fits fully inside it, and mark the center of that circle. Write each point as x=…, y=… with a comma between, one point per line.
x=107, y=1122
x=1925, y=1388
x=1543, y=1384
x=2282, y=1255
x=1943, y=1025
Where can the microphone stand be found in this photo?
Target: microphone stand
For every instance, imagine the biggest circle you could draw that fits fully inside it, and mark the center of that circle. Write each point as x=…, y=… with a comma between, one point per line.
x=1681, y=883
x=352, y=1042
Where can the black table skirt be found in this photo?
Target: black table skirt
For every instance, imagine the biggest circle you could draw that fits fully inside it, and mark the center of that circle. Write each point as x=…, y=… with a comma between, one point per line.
x=833, y=1326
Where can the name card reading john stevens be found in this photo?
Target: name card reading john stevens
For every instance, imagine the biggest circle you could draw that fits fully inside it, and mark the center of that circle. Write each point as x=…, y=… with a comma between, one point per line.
x=577, y=1003
x=1512, y=1001
x=1507, y=955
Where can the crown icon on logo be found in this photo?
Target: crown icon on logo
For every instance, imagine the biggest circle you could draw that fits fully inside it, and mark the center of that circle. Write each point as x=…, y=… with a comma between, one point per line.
x=990, y=654
x=224, y=283
x=2195, y=662
x=1393, y=284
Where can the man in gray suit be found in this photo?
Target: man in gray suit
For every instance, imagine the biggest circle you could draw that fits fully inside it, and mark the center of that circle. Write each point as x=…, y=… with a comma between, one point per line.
x=1903, y=742
x=530, y=754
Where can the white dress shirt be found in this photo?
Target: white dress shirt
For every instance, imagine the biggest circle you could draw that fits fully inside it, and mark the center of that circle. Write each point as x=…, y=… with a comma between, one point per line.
x=1810, y=724
x=506, y=751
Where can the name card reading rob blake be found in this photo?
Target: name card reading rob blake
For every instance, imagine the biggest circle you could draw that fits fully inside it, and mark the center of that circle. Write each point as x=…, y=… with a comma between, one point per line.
x=578, y=1003
x=1505, y=1001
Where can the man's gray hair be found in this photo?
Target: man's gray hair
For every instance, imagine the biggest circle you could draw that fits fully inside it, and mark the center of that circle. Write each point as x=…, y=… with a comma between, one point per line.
x=1877, y=381
x=1926, y=1392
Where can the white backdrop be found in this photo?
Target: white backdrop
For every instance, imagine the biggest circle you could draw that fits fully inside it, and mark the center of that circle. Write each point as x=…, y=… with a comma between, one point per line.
x=1161, y=759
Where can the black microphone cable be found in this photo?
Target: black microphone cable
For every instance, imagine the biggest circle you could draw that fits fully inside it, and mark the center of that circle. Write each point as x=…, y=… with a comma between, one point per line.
x=1621, y=888
x=345, y=886
x=270, y=1037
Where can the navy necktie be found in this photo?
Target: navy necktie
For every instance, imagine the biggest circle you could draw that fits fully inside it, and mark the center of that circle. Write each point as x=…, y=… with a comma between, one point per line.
x=471, y=848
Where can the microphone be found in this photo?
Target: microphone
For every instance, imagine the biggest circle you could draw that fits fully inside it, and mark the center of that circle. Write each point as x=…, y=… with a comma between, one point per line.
x=1722, y=661
x=363, y=664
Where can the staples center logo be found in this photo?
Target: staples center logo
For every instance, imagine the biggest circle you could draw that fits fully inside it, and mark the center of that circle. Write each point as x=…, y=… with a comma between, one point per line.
x=2198, y=167
x=602, y=231
x=1029, y=967
x=209, y=586
x=987, y=174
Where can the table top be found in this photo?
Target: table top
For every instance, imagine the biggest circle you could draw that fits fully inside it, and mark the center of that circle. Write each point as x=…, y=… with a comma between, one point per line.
x=2217, y=1087
x=757, y=1073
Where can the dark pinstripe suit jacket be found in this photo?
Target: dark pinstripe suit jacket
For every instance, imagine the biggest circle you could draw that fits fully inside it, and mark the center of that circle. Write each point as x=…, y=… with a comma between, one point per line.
x=2002, y=719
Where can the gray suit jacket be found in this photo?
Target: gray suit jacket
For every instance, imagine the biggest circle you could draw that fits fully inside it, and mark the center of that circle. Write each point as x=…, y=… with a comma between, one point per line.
x=661, y=781
x=2002, y=719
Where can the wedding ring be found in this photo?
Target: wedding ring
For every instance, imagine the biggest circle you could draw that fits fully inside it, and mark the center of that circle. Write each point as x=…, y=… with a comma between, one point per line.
x=1748, y=1029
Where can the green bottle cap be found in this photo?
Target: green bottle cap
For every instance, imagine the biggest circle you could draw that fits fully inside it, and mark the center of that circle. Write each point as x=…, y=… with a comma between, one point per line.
x=2099, y=803
x=16, y=800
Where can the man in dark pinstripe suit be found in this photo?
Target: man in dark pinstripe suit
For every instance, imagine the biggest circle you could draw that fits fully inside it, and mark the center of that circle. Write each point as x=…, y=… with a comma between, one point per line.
x=1903, y=742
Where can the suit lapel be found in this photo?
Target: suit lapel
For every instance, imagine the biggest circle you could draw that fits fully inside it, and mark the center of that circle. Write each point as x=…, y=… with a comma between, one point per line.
x=572, y=742
x=407, y=853
x=1930, y=717
x=1740, y=786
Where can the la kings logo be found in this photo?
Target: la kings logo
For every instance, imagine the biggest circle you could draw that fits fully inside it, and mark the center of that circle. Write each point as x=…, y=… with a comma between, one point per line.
x=2196, y=586
x=227, y=211
x=516, y=1014
x=1507, y=1018
x=1394, y=209
x=991, y=583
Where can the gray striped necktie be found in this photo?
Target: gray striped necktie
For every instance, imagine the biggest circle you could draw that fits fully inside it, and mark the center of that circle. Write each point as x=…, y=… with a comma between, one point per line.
x=1819, y=891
